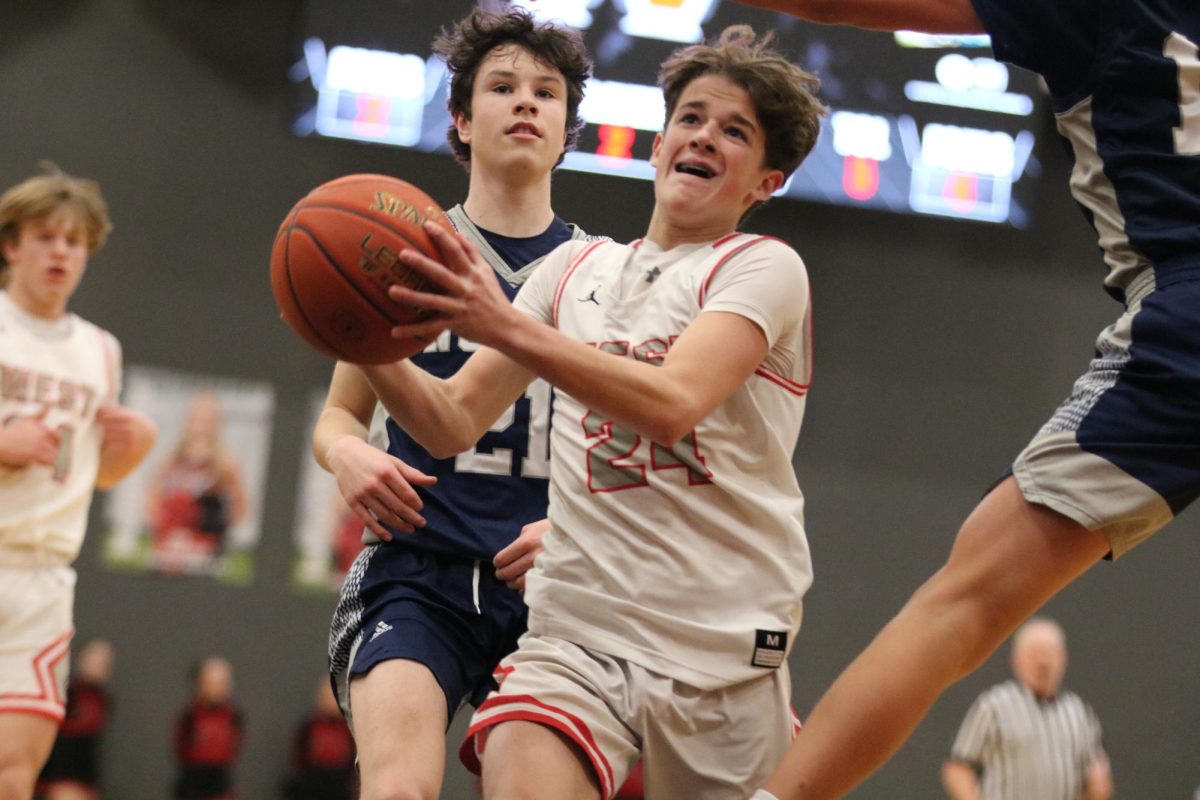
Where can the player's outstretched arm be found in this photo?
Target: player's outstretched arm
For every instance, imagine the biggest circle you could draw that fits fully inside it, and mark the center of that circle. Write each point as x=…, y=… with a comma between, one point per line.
x=930, y=16
x=128, y=437
x=715, y=355
x=376, y=486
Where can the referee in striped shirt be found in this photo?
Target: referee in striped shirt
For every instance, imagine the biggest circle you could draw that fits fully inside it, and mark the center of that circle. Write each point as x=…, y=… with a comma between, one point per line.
x=1025, y=739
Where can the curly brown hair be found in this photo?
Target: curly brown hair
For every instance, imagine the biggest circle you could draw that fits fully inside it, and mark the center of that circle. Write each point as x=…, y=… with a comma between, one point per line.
x=43, y=195
x=783, y=94
x=466, y=44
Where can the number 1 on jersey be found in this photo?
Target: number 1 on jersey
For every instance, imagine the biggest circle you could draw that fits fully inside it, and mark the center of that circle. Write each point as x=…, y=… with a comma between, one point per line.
x=1186, y=56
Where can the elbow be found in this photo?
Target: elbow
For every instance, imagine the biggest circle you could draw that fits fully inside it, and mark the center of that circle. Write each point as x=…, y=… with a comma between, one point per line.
x=668, y=429
x=449, y=446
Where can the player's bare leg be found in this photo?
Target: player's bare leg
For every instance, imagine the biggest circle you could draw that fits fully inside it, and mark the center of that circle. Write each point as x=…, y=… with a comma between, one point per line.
x=1009, y=558
x=399, y=713
x=528, y=761
x=25, y=742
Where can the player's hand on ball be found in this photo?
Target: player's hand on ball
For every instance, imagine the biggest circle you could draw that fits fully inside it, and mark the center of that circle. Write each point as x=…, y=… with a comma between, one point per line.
x=471, y=302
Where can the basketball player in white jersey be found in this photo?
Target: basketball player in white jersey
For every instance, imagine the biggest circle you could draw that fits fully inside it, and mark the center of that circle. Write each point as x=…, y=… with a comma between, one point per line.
x=61, y=435
x=669, y=591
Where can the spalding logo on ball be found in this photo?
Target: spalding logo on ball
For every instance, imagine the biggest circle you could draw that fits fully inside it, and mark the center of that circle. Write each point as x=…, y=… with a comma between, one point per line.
x=335, y=256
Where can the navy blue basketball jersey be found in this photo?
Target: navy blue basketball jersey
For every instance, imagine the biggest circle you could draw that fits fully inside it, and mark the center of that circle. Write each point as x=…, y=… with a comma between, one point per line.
x=484, y=496
x=1124, y=78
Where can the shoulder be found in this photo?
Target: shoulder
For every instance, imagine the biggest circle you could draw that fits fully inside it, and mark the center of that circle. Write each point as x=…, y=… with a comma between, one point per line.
x=1002, y=693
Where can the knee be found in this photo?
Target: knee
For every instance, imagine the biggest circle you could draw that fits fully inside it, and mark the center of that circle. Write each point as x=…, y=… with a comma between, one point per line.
x=972, y=621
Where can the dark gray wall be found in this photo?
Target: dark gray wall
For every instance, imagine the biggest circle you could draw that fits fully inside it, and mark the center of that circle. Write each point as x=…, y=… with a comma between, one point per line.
x=940, y=348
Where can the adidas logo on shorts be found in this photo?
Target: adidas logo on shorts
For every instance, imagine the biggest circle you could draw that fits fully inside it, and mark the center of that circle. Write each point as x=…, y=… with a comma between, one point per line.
x=380, y=628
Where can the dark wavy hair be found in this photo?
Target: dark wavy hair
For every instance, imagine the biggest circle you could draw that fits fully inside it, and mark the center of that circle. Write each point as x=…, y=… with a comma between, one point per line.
x=468, y=42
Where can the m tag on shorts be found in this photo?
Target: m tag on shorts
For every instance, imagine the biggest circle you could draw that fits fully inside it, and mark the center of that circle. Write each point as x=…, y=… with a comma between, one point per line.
x=769, y=648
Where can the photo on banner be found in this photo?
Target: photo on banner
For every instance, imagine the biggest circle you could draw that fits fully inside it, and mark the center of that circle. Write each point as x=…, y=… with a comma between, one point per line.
x=194, y=506
x=328, y=535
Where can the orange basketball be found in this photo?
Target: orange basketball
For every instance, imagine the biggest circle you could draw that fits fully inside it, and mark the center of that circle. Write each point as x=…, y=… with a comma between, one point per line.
x=336, y=255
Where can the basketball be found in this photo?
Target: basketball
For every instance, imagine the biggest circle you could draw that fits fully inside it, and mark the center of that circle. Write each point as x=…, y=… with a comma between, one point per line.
x=335, y=256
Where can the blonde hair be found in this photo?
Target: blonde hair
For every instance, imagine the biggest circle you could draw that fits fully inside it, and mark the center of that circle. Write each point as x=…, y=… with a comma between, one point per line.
x=44, y=195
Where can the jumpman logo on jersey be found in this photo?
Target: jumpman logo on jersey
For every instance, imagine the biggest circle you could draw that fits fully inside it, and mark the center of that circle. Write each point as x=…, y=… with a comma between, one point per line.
x=591, y=296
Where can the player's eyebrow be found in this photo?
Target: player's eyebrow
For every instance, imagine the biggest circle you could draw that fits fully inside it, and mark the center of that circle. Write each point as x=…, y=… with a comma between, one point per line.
x=700, y=105
x=508, y=74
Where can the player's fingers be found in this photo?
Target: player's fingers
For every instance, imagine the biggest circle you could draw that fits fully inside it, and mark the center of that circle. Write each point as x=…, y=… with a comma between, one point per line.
x=508, y=554
x=428, y=301
x=414, y=476
x=516, y=568
x=435, y=271
x=395, y=510
x=422, y=331
x=396, y=489
x=363, y=513
x=450, y=245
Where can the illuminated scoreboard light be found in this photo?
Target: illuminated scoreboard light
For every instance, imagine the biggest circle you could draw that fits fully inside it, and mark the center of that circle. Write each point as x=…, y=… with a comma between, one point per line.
x=944, y=131
x=965, y=172
x=372, y=95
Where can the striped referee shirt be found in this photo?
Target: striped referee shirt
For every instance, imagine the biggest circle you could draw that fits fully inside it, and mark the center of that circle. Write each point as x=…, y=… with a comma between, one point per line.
x=1028, y=749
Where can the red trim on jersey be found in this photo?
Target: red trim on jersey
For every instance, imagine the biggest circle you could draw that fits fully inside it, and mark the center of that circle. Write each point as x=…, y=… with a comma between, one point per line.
x=798, y=389
x=578, y=732
x=796, y=723
x=35, y=711
x=713, y=272
x=562, y=282
x=48, y=693
x=726, y=238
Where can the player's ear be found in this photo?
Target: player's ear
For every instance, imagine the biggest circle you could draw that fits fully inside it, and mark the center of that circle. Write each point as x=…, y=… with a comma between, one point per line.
x=658, y=138
x=769, y=184
x=462, y=124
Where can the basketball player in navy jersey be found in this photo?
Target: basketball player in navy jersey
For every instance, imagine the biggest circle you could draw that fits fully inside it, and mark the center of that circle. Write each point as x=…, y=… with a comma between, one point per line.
x=433, y=602
x=1121, y=457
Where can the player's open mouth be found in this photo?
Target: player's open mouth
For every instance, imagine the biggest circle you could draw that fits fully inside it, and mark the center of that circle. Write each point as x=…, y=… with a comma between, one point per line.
x=523, y=127
x=695, y=169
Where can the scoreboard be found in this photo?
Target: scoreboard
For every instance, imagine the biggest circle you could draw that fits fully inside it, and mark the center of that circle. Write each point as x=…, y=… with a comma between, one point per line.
x=918, y=124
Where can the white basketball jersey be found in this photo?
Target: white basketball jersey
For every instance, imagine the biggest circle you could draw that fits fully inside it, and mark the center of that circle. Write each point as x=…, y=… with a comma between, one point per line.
x=66, y=368
x=689, y=560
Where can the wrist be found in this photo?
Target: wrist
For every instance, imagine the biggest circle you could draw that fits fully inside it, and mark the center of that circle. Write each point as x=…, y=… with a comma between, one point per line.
x=335, y=452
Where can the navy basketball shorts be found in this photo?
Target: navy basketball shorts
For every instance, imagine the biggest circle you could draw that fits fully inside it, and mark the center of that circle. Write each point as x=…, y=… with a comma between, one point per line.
x=1122, y=454
x=448, y=613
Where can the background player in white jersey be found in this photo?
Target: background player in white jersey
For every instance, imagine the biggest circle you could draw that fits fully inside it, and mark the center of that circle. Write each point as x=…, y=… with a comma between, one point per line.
x=1121, y=456
x=425, y=612
x=62, y=435
x=664, y=604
